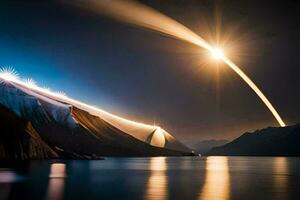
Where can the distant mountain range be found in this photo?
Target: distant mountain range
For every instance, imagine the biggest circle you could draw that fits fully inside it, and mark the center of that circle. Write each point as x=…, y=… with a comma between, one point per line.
x=205, y=146
x=271, y=141
x=37, y=125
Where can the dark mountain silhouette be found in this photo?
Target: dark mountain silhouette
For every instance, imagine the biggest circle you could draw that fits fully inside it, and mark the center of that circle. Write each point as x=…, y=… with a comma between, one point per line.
x=34, y=125
x=271, y=141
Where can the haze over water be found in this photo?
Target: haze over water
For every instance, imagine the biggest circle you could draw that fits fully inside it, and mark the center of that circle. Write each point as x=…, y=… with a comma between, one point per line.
x=156, y=178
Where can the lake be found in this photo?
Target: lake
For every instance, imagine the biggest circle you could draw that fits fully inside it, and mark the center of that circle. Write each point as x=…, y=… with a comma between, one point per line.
x=155, y=178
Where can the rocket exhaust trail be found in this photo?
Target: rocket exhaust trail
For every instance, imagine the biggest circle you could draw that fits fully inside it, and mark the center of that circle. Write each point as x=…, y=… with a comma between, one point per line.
x=259, y=93
x=141, y=15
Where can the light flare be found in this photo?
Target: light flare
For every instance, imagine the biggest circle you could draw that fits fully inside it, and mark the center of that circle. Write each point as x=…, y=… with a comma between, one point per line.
x=60, y=94
x=217, y=53
x=138, y=14
x=30, y=83
x=8, y=74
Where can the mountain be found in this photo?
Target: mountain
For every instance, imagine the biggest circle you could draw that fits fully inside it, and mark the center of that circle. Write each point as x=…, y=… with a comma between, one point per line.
x=271, y=141
x=36, y=124
x=204, y=146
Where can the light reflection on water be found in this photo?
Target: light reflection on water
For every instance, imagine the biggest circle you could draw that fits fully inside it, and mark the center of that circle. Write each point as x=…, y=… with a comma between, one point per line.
x=281, y=177
x=56, y=181
x=158, y=181
x=157, y=178
x=7, y=176
x=216, y=186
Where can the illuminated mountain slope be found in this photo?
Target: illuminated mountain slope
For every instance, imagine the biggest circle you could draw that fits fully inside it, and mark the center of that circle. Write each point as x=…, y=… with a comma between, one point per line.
x=58, y=128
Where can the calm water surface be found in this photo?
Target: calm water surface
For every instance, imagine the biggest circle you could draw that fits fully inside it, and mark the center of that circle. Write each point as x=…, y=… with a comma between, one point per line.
x=157, y=178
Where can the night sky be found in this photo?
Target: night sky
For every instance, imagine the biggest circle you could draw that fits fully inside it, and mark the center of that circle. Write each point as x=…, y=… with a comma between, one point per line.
x=149, y=77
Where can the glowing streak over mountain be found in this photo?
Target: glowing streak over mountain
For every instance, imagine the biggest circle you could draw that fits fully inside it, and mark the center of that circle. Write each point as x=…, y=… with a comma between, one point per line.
x=8, y=74
x=141, y=15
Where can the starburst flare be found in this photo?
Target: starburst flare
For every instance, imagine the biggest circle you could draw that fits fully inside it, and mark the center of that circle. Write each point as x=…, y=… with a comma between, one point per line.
x=8, y=74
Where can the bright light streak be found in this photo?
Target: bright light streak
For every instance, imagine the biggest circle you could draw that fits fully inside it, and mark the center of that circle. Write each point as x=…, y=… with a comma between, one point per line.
x=138, y=14
x=10, y=75
x=255, y=89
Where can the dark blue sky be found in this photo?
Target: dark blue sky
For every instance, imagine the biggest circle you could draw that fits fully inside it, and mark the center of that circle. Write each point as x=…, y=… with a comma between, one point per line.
x=149, y=77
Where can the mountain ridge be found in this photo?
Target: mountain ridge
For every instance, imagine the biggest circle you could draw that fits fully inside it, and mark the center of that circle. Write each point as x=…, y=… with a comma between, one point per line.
x=270, y=141
x=45, y=127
